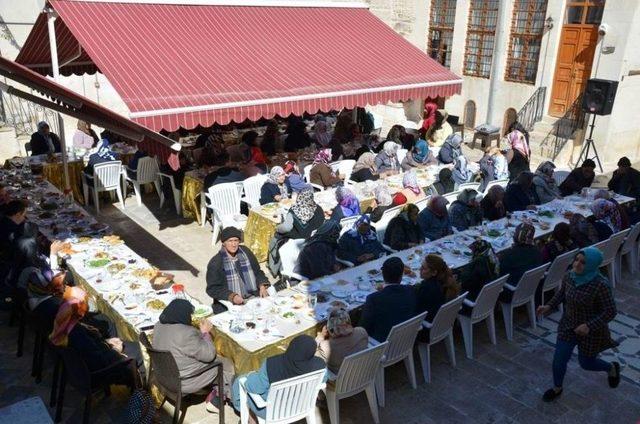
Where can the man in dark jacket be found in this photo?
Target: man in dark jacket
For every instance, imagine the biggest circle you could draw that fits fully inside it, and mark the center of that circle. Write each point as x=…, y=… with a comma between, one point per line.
x=579, y=178
x=392, y=305
x=626, y=180
x=520, y=194
x=234, y=274
x=44, y=141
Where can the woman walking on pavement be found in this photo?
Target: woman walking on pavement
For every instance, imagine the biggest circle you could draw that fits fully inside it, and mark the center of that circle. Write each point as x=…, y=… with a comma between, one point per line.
x=589, y=306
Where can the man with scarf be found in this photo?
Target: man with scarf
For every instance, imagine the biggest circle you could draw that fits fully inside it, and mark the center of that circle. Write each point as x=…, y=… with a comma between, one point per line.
x=234, y=273
x=360, y=244
x=43, y=141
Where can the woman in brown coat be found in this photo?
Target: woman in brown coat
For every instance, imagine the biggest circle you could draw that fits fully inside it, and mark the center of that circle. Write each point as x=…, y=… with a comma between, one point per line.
x=321, y=172
x=589, y=306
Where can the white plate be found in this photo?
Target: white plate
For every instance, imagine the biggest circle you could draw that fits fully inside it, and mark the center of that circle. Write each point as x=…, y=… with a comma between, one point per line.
x=342, y=304
x=359, y=296
x=259, y=305
x=340, y=293
x=206, y=310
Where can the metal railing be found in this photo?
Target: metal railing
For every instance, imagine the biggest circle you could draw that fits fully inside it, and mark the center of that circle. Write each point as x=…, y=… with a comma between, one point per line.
x=533, y=109
x=564, y=129
x=24, y=115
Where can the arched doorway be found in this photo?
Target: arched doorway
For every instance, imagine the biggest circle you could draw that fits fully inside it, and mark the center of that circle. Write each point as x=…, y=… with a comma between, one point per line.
x=469, y=116
x=510, y=116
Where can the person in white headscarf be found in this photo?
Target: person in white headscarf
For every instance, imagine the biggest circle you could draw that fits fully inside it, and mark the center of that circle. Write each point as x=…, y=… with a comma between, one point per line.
x=387, y=159
x=274, y=189
x=461, y=173
x=544, y=184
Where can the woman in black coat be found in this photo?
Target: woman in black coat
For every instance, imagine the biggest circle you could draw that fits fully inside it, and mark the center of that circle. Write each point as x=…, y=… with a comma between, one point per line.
x=403, y=231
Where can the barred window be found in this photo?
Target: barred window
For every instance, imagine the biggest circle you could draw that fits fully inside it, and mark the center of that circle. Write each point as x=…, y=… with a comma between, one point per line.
x=441, y=19
x=481, y=34
x=527, y=28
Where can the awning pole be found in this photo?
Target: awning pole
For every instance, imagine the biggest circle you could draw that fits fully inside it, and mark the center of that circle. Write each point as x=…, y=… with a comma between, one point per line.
x=53, y=47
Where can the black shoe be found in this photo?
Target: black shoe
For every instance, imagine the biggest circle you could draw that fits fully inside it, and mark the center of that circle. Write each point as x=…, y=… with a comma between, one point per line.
x=551, y=395
x=614, y=381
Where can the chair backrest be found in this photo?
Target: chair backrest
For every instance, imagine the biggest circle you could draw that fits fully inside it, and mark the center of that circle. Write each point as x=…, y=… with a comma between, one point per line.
x=610, y=249
x=392, y=212
x=345, y=167
x=107, y=175
x=358, y=370
x=289, y=253
x=27, y=148
x=631, y=240
x=347, y=223
x=77, y=372
x=528, y=284
x=383, y=223
x=401, y=339
x=252, y=187
x=307, y=173
x=402, y=153
x=560, y=176
x=473, y=186
x=225, y=198
x=293, y=399
x=422, y=203
x=445, y=318
x=147, y=171
x=487, y=298
x=240, y=187
x=165, y=370
x=558, y=269
x=501, y=183
x=451, y=197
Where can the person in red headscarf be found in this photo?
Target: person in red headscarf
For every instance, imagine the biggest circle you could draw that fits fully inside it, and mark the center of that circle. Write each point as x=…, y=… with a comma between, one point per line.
x=430, y=109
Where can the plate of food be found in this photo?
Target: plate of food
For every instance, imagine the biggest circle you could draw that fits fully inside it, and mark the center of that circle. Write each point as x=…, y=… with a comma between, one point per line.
x=115, y=268
x=494, y=233
x=340, y=293
x=99, y=263
x=156, y=305
x=374, y=272
x=339, y=304
x=201, y=311
x=409, y=272
x=289, y=315
x=359, y=296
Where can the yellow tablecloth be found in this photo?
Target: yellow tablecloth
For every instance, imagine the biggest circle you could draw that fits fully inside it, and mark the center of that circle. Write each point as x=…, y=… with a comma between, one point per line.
x=54, y=173
x=191, y=191
x=257, y=234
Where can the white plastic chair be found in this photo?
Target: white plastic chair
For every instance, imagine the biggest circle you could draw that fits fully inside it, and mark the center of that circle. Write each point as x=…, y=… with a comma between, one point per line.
x=556, y=272
x=377, y=123
x=629, y=247
x=252, y=187
x=381, y=226
x=106, y=177
x=610, y=248
x=345, y=168
x=560, y=176
x=400, y=341
x=439, y=329
x=473, y=186
x=501, y=183
x=451, y=197
x=523, y=294
x=307, y=177
x=357, y=374
x=288, y=400
x=347, y=223
x=146, y=172
x=401, y=153
x=177, y=194
x=224, y=202
x=482, y=310
x=422, y=203
x=289, y=253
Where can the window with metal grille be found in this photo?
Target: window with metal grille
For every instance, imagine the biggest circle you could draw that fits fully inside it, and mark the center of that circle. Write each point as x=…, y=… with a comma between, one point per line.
x=481, y=34
x=441, y=20
x=527, y=28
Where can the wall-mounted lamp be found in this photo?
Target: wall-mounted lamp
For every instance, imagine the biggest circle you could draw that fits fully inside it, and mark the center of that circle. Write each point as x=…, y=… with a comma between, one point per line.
x=548, y=23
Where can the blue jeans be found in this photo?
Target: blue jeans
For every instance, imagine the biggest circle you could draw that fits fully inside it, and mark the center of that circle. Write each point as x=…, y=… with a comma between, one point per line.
x=562, y=356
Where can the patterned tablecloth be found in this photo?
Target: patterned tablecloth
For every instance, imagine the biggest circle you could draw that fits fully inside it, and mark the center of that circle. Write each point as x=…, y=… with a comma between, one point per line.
x=191, y=192
x=54, y=173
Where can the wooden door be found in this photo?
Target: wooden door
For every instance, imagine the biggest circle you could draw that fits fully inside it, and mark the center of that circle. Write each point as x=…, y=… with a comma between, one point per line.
x=575, y=54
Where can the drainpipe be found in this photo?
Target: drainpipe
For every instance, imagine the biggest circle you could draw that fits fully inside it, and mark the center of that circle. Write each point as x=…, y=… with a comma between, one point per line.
x=498, y=62
x=55, y=69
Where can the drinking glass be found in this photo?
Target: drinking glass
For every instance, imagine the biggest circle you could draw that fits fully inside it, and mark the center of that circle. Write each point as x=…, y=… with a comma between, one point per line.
x=313, y=300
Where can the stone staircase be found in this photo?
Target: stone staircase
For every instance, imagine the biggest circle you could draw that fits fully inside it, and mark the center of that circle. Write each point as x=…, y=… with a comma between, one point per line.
x=547, y=142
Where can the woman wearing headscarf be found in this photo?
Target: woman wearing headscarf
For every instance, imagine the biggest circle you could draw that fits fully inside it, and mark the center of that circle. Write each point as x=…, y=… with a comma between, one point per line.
x=321, y=173
x=441, y=130
x=483, y=269
x=274, y=189
x=461, y=173
x=192, y=348
x=397, y=134
x=271, y=139
x=43, y=141
x=607, y=218
x=304, y=217
x=520, y=194
x=559, y=243
x=322, y=134
x=297, y=137
x=492, y=204
x=419, y=156
x=624, y=212
x=544, y=184
x=522, y=256
x=342, y=130
x=445, y=183
x=295, y=181
x=384, y=201
x=387, y=159
x=519, y=154
x=318, y=256
x=438, y=287
x=582, y=231
x=365, y=168
x=298, y=359
x=403, y=230
x=465, y=211
x=429, y=120
x=434, y=220
x=360, y=244
x=101, y=154
x=588, y=308
x=339, y=339
x=348, y=204
x=96, y=351
x=451, y=149
x=411, y=190
x=84, y=137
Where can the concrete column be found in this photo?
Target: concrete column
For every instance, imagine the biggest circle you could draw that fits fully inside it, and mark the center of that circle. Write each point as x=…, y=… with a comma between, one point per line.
x=498, y=64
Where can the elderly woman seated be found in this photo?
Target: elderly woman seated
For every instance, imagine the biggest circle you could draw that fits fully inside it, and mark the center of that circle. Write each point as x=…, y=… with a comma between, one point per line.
x=445, y=183
x=465, y=211
x=522, y=256
x=348, y=204
x=606, y=219
x=403, y=231
x=304, y=217
x=192, y=348
x=384, y=201
x=559, y=243
x=234, y=273
x=492, y=204
x=360, y=244
x=411, y=192
x=321, y=173
x=339, y=339
x=298, y=359
x=520, y=194
x=544, y=184
x=419, y=156
x=274, y=189
x=387, y=159
x=434, y=220
x=365, y=168
x=318, y=256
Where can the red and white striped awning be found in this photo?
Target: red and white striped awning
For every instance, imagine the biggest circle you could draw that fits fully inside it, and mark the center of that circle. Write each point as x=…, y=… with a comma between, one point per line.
x=199, y=62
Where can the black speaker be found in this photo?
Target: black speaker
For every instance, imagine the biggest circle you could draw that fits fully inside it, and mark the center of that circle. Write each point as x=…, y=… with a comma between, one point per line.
x=598, y=96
